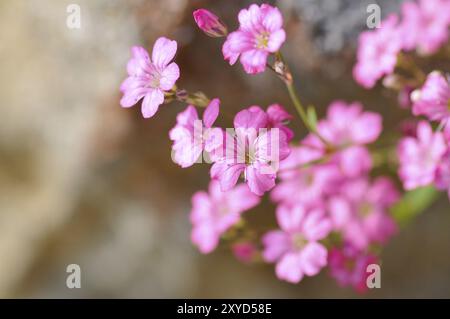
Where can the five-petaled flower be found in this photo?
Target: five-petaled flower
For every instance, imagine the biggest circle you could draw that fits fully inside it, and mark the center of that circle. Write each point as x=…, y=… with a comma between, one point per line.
x=215, y=212
x=191, y=135
x=260, y=33
x=150, y=78
x=295, y=247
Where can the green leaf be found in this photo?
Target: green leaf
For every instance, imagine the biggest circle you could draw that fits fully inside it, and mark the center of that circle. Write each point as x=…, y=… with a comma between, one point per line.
x=413, y=203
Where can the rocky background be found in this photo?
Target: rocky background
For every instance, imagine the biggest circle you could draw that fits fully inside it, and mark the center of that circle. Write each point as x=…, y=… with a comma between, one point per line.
x=84, y=181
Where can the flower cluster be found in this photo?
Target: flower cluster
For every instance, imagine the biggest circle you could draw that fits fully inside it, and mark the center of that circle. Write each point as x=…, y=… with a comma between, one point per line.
x=332, y=208
x=425, y=156
x=423, y=27
x=315, y=199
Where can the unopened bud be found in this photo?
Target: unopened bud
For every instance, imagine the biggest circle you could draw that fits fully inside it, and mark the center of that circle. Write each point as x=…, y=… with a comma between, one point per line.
x=210, y=23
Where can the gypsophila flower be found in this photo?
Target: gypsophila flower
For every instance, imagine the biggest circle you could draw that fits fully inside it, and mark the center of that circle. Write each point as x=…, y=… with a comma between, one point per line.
x=215, y=212
x=433, y=99
x=377, y=52
x=191, y=136
x=295, y=247
x=150, y=78
x=419, y=157
x=260, y=33
x=253, y=150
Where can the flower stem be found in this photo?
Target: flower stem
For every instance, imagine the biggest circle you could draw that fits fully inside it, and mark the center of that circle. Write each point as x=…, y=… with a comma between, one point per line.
x=281, y=68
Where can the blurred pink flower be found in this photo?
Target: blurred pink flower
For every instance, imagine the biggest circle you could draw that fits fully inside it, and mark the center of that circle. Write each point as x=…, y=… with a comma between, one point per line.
x=433, y=99
x=191, y=136
x=348, y=125
x=348, y=128
x=377, y=52
x=214, y=213
x=295, y=248
x=419, y=157
x=260, y=33
x=301, y=183
x=348, y=266
x=360, y=211
x=244, y=251
x=425, y=25
x=209, y=23
x=149, y=79
x=251, y=151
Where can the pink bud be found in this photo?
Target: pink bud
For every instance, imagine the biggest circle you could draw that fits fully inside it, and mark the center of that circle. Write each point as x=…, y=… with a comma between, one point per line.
x=210, y=23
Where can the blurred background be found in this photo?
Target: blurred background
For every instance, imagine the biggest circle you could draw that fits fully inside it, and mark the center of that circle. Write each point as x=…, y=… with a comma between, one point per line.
x=84, y=181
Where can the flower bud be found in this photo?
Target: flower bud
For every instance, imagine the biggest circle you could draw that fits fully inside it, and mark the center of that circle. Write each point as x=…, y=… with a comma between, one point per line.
x=210, y=23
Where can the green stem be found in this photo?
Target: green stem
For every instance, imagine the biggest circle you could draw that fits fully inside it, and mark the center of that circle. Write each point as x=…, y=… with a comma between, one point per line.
x=281, y=69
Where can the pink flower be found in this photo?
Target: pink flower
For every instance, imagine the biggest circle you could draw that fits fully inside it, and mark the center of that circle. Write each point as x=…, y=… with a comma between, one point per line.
x=209, y=23
x=260, y=33
x=433, y=99
x=191, y=136
x=244, y=251
x=255, y=155
x=419, y=157
x=149, y=79
x=296, y=173
x=347, y=125
x=214, y=213
x=347, y=128
x=295, y=248
x=348, y=266
x=360, y=211
x=377, y=53
x=425, y=25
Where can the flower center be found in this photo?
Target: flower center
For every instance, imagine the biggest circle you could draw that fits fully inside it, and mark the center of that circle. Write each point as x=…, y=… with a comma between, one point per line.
x=262, y=40
x=155, y=80
x=349, y=264
x=365, y=209
x=298, y=241
x=448, y=104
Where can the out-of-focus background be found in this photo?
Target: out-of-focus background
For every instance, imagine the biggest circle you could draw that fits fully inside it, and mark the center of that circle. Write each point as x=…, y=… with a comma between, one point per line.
x=84, y=181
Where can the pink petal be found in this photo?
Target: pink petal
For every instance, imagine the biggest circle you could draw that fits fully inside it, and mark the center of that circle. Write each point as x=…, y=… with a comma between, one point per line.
x=205, y=238
x=289, y=268
x=151, y=102
x=169, y=76
x=276, y=243
x=257, y=182
x=313, y=258
x=130, y=98
x=249, y=18
x=316, y=226
x=367, y=128
x=237, y=42
x=226, y=174
x=140, y=63
x=355, y=161
x=211, y=113
x=163, y=52
x=228, y=54
x=201, y=208
x=241, y=198
x=276, y=39
x=290, y=219
x=254, y=61
x=252, y=117
x=271, y=18
x=340, y=211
